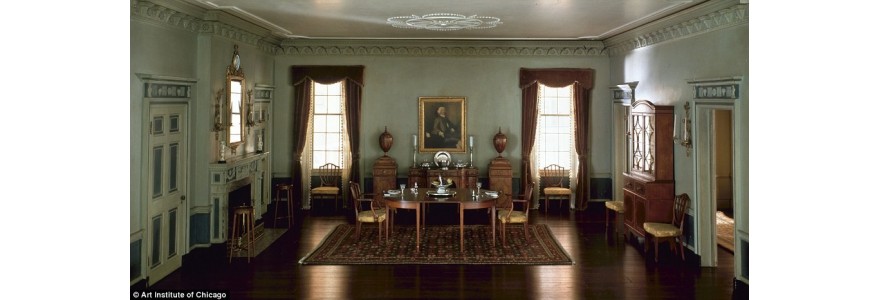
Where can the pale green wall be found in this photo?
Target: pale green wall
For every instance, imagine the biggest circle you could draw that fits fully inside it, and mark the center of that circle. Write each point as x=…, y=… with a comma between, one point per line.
x=171, y=50
x=155, y=50
x=663, y=71
x=715, y=44
x=393, y=85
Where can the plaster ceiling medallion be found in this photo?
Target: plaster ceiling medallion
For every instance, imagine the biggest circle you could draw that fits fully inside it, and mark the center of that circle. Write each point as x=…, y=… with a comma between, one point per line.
x=444, y=22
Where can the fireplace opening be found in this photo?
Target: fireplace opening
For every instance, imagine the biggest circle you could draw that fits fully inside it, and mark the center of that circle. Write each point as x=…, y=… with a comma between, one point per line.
x=240, y=196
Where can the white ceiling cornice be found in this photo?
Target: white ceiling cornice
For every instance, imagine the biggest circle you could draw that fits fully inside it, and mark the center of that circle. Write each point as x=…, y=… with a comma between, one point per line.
x=163, y=15
x=442, y=48
x=706, y=17
x=711, y=16
x=172, y=17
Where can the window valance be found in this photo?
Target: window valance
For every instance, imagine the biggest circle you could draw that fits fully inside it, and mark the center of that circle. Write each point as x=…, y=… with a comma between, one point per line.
x=558, y=77
x=327, y=74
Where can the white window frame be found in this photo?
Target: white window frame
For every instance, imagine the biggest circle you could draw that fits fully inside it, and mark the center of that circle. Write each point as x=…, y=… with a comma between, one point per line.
x=546, y=94
x=323, y=110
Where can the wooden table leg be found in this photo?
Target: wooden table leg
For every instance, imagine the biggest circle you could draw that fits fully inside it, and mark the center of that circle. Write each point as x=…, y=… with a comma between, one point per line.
x=425, y=217
x=418, y=229
x=493, y=225
x=461, y=226
x=390, y=219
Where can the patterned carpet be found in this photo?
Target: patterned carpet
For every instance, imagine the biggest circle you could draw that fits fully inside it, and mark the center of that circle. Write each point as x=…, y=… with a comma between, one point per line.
x=724, y=230
x=439, y=245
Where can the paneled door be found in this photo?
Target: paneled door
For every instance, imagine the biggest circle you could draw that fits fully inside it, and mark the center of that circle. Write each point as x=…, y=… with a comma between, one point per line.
x=166, y=195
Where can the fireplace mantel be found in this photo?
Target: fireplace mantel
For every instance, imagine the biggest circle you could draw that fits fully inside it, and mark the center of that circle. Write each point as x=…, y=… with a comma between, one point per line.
x=252, y=169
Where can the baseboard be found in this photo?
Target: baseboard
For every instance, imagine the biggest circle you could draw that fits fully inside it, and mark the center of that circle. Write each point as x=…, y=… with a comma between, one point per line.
x=139, y=285
x=740, y=289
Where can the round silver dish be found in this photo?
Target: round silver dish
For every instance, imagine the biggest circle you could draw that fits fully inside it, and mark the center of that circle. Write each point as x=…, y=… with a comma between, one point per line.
x=442, y=159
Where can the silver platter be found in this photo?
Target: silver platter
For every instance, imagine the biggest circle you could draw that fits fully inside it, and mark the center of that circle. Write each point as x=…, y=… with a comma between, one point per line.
x=435, y=194
x=442, y=159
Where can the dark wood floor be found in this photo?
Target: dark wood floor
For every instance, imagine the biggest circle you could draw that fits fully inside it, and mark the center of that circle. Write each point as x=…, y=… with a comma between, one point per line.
x=604, y=269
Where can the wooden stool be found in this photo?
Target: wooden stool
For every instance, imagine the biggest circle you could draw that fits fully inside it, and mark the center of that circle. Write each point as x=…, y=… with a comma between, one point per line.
x=287, y=189
x=246, y=215
x=618, y=208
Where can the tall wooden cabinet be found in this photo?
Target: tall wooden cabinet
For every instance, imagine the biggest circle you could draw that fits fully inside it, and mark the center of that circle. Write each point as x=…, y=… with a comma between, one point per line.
x=501, y=176
x=649, y=182
x=384, y=174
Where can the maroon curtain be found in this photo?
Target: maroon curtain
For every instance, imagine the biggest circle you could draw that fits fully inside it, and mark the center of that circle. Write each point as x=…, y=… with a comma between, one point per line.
x=302, y=78
x=301, y=99
x=529, y=125
x=583, y=85
x=353, y=118
x=582, y=142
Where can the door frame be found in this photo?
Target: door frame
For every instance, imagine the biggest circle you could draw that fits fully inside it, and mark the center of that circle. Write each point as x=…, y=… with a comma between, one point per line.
x=704, y=181
x=710, y=95
x=623, y=95
x=620, y=139
x=150, y=97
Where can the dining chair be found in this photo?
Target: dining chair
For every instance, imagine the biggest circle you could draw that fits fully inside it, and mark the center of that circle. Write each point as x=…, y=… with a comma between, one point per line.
x=616, y=208
x=670, y=232
x=330, y=175
x=377, y=213
x=508, y=214
x=553, y=177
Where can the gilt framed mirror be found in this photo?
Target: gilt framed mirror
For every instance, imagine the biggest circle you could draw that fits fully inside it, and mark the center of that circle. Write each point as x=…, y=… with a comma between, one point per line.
x=237, y=105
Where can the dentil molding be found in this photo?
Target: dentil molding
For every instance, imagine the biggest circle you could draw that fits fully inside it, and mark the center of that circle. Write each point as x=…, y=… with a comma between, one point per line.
x=720, y=19
x=450, y=48
x=158, y=14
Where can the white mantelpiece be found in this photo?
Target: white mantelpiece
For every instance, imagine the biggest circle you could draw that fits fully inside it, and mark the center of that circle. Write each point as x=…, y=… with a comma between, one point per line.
x=253, y=169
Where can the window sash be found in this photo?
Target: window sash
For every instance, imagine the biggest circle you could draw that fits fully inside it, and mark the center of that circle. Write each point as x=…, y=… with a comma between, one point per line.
x=555, y=127
x=327, y=127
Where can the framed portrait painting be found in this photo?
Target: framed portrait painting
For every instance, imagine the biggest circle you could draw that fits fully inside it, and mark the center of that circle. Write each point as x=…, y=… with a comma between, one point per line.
x=442, y=124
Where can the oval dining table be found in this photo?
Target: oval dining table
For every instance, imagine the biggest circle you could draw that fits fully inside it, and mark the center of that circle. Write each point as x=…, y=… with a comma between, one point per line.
x=463, y=197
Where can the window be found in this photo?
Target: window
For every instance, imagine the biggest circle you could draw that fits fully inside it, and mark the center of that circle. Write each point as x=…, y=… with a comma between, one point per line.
x=327, y=126
x=555, y=126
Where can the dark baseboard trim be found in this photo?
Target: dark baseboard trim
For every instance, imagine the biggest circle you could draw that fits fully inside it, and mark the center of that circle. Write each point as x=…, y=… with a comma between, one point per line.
x=740, y=289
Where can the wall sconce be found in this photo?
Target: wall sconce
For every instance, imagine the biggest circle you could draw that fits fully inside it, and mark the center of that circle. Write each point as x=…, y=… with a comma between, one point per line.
x=250, y=109
x=683, y=138
x=218, y=108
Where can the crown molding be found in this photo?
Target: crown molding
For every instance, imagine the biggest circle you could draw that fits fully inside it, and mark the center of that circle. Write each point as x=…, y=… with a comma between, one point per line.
x=163, y=15
x=441, y=48
x=153, y=13
x=704, y=18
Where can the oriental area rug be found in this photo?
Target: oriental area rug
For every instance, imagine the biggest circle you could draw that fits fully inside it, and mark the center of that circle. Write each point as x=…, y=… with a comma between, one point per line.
x=439, y=245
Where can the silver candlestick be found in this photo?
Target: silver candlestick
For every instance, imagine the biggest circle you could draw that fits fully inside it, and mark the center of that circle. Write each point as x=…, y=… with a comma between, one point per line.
x=471, y=163
x=415, y=149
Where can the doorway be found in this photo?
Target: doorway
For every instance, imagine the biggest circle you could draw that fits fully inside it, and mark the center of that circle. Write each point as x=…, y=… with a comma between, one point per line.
x=167, y=152
x=723, y=177
x=714, y=181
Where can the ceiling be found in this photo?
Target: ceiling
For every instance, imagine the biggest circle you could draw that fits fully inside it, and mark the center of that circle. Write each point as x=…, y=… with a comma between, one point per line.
x=519, y=19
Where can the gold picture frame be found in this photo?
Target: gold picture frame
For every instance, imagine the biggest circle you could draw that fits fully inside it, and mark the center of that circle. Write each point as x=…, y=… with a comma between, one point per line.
x=443, y=124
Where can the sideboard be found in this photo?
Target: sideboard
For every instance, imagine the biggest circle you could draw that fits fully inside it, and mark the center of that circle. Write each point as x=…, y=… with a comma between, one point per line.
x=463, y=177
